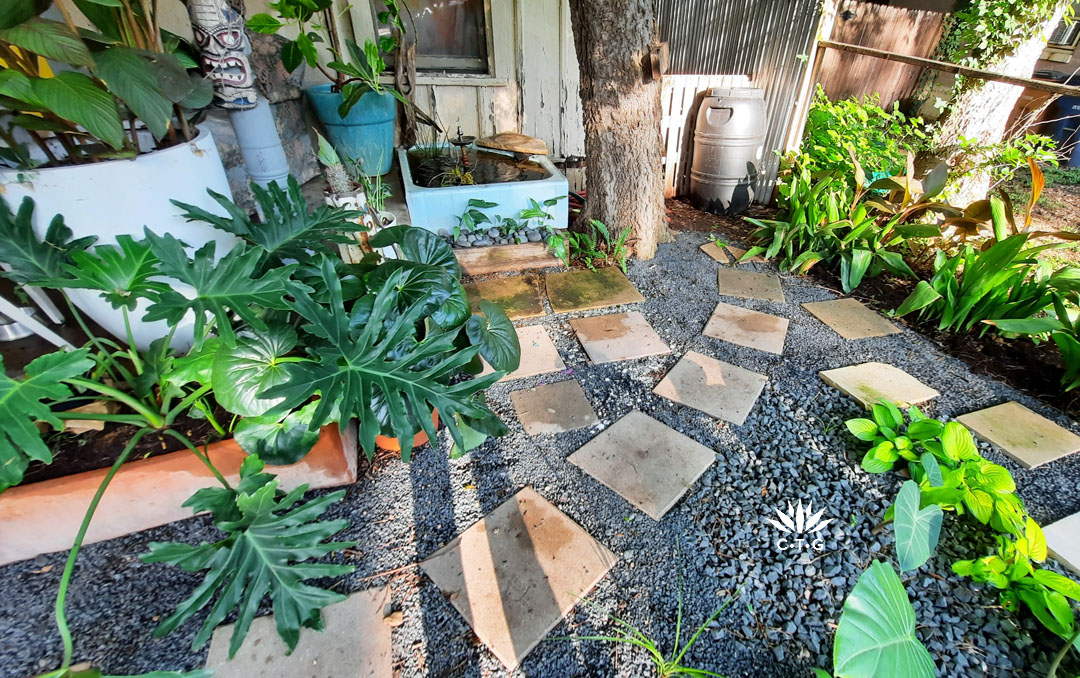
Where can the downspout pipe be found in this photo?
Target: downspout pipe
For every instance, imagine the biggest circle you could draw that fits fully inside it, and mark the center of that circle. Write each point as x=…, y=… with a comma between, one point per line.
x=260, y=144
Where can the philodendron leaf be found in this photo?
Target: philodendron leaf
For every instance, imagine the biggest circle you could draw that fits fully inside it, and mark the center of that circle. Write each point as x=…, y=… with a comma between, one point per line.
x=21, y=405
x=270, y=539
x=419, y=245
x=122, y=273
x=221, y=287
x=33, y=260
x=243, y=371
x=350, y=367
x=917, y=530
x=288, y=230
x=496, y=336
x=278, y=440
x=876, y=634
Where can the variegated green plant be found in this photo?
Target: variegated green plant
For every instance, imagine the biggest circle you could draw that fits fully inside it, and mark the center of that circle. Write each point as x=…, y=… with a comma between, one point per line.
x=949, y=474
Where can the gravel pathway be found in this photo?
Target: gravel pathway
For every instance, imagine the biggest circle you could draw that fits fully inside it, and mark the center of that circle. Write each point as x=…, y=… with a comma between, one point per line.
x=792, y=447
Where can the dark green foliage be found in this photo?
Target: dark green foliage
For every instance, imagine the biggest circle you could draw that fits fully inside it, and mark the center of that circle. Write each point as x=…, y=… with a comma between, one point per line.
x=269, y=541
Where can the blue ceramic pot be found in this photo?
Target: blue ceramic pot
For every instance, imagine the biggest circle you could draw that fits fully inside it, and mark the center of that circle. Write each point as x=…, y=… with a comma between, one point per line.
x=366, y=134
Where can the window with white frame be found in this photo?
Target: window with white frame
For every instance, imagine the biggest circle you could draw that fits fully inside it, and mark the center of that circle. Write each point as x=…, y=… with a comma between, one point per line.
x=1066, y=33
x=451, y=36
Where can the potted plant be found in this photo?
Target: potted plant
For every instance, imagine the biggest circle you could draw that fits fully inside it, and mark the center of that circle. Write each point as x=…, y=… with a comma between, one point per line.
x=110, y=132
x=349, y=187
x=355, y=109
x=284, y=349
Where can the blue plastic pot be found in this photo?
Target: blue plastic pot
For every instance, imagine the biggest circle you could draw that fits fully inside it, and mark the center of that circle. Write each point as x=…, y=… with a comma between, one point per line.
x=366, y=134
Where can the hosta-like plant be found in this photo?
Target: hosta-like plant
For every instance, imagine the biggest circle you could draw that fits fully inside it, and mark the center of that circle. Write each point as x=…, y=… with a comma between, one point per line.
x=949, y=474
x=286, y=339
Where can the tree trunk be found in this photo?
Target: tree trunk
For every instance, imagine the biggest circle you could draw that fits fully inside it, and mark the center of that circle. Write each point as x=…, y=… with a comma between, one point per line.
x=621, y=105
x=981, y=111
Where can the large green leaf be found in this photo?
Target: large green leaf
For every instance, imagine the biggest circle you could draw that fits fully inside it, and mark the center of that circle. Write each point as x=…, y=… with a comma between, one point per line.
x=278, y=440
x=495, y=335
x=876, y=634
x=354, y=366
x=419, y=245
x=922, y=296
x=21, y=405
x=13, y=12
x=287, y=230
x=436, y=288
x=74, y=96
x=246, y=369
x=33, y=260
x=269, y=541
x=917, y=529
x=221, y=288
x=129, y=77
x=50, y=39
x=122, y=274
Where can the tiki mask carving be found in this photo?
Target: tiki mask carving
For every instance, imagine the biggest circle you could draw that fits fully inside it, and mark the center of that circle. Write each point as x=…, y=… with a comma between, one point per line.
x=224, y=48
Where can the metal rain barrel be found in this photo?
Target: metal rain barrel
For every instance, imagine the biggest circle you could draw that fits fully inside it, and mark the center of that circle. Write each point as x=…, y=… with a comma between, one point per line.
x=729, y=141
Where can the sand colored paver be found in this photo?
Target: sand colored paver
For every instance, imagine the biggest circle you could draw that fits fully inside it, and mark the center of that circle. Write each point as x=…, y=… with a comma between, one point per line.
x=354, y=644
x=749, y=285
x=516, y=572
x=870, y=382
x=850, y=319
x=553, y=408
x=716, y=388
x=1063, y=540
x=517, y=295
x=716, y=252
x=646, y=462
x=618, y=336
x=744, y=327
x=1030, y=439
x=538, y=354
x=582, y=290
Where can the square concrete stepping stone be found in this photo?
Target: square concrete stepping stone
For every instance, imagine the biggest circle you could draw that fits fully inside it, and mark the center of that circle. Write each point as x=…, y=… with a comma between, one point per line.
x=871, y=382
x=850, y=319
x=583, y=290
x=744, y=327
x=1063, y=540
x=553, y=408
x=619, y=336
x=517, y=295
x=538, y=354
x=355, y=643
x=716, y=388
x=516, y=572
x=749, y=285
x=1030, y=439
x=647, y=463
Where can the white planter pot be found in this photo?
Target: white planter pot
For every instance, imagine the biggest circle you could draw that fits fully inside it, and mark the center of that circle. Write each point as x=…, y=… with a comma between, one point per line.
x=120, y=197
x=352, y=254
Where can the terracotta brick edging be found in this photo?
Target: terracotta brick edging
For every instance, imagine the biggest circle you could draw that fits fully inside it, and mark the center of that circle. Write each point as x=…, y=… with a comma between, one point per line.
x=44, y=517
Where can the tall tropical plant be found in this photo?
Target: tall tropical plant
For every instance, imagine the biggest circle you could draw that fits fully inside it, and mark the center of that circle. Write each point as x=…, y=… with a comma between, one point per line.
x=124, y=72
x=285, y=348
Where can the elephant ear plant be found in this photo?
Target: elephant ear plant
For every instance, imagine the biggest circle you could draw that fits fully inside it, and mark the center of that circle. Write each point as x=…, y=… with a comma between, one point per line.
x=286, y=339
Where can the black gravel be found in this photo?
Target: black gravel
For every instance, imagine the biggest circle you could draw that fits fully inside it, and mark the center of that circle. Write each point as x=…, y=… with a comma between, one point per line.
x=793, y=447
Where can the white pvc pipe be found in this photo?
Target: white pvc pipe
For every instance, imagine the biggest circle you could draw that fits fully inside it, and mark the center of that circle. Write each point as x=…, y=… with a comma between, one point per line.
x=260, y=144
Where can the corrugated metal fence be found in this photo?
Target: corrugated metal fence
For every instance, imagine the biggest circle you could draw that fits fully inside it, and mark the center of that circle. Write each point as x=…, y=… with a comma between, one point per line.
x=766, y=40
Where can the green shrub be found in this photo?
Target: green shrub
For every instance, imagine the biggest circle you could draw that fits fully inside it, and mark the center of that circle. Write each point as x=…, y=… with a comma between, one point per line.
x=944, y=461
x=880, y=139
